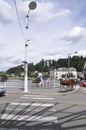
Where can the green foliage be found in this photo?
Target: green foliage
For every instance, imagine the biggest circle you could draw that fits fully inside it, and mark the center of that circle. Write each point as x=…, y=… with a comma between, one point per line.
x=15, y=70
x=40, y=67
x=68, y=76
x=63, y=75
x=3, y=76
x=63, y=62
x=46, y=75
x=75, y=61
x=31, y=69
x=35, y=75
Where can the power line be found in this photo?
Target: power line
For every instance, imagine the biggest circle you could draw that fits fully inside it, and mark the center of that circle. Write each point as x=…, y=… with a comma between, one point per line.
x=19, y=19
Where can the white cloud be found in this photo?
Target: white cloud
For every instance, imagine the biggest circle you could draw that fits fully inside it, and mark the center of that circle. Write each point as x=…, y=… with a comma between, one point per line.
x=5, y=12
x=8, y=11
x=8, y=61
x=47, y=22
x=44, y=11
x=74, y=35
x=64, y=12
x=82, y=53
x=2, y=45
x=49, y=10
x=56, y=53
x=60, y=53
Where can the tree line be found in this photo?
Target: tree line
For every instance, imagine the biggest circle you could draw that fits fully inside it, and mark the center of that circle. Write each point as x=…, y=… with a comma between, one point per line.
x=75, y=61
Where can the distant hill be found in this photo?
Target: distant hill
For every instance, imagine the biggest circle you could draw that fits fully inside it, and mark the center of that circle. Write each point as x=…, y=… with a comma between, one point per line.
x=75, y=61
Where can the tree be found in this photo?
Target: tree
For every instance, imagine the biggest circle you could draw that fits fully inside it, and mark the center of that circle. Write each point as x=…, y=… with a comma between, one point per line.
x=40, y=67
x=15, y=70
x=3, y=76
x=32, y=74
x=75, y=61
x=31, y=68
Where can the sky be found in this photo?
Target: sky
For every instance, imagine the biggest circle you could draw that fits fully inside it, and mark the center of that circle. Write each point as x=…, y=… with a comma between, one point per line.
x=57, y=28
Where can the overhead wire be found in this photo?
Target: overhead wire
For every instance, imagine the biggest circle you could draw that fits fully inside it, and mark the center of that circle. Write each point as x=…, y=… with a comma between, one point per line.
x=19, y=19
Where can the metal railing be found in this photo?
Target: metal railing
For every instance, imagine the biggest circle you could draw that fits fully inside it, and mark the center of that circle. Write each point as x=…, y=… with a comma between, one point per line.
x=20, y=84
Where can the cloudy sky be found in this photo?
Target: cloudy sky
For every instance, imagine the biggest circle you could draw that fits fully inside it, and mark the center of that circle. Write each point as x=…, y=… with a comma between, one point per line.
x=56, y=28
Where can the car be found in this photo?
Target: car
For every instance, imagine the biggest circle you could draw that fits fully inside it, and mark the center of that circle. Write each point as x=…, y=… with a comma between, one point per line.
x=2, y=90
x=83, y=83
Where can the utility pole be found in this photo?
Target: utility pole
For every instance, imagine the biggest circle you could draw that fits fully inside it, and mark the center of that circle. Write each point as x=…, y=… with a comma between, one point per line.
x=32, y=5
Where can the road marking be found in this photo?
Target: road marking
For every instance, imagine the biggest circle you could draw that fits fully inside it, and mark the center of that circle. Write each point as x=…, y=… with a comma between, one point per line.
x=34, y=95
x=30, y=109
x=40, y=98
x=32, y=104
x=29, y=118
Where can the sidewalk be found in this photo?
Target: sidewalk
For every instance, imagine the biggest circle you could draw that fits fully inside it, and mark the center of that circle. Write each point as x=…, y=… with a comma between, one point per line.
x=40, y=91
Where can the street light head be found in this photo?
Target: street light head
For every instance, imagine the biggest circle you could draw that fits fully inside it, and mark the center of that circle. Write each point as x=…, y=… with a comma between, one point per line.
x=32, y=5
x=75, y=52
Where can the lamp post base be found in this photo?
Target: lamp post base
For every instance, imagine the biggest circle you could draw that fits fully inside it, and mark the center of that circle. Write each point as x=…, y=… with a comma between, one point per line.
x=26, y=91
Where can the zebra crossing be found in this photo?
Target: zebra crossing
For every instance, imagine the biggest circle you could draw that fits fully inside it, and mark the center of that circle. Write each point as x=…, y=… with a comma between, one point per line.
x=31, y=108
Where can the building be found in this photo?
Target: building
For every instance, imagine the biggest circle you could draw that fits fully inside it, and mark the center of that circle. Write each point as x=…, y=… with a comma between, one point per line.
x=57, y=73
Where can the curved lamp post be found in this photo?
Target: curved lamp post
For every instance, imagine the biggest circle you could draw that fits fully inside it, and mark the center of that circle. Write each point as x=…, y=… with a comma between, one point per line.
x=32, y=5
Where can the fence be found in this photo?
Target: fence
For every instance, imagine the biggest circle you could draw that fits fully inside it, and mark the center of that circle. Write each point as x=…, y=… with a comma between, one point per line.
x=20, y=84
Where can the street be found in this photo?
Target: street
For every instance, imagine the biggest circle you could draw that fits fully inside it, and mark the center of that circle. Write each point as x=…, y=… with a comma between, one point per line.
x=61, y=111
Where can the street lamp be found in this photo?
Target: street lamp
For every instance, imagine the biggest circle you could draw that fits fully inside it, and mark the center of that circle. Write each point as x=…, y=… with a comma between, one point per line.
x=69, y=62
x=32, y=5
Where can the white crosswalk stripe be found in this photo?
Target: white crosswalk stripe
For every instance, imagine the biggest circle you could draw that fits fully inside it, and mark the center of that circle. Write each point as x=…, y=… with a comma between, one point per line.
x=36, y=97
x=29, y=118
x=32, y=104
x=30, y=109
x=39, y=110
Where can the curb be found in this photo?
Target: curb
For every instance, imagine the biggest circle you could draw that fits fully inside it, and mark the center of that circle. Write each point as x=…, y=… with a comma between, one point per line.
x=47, y=92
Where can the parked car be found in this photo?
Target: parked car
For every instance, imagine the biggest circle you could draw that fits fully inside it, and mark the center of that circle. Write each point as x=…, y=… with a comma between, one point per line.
x=83, y=83
x=2, y=90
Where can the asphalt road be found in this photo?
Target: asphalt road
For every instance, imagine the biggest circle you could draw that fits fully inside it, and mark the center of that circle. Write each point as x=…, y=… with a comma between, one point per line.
x=61, y=111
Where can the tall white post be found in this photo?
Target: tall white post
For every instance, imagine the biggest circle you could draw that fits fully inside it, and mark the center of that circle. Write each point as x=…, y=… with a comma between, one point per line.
x=26, y=60
x=32, y=5
x=26, y=70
